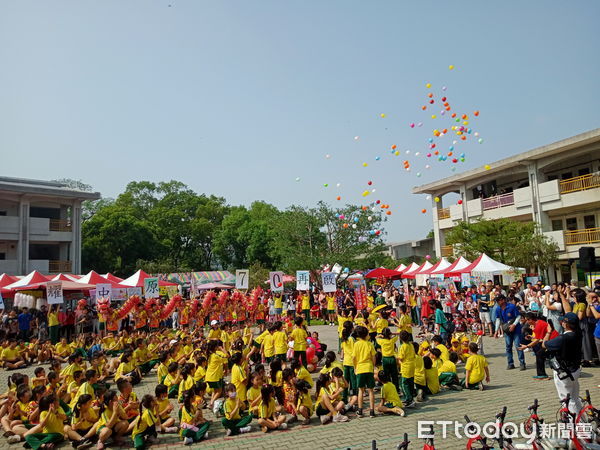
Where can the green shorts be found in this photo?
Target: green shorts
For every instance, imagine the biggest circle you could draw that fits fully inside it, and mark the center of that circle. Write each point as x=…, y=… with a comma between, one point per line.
x=268, y=359
x=260, y=321
x=331, y=311
x=256, y=344
x=216, y=384
x=282, y=357
x=320, y=411
x=101, y=326
x=389, y=405
x=365, y=380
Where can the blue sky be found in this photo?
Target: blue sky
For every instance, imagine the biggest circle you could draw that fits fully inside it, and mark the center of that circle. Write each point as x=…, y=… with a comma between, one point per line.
x=239, y=98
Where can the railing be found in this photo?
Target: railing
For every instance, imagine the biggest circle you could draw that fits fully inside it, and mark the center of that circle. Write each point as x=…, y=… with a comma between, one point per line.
x=585, y=236
x=447, y=250
x=60, y=225
x=498, y=201
x=581, y=183
x=443, y=213
x=59, y=266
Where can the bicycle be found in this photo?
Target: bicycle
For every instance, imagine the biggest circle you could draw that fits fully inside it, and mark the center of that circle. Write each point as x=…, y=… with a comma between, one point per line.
x=591, y=415
x=404, y=444
x=477, y=439
x=534, y=423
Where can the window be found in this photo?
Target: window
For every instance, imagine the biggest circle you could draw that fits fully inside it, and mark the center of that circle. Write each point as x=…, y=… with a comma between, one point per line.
x=552, y=177
x=584, y=171
x=571, y=223
x=566, y=175
x=557, y=225
x=589, y=221
x=2, y=256
x=2, y=213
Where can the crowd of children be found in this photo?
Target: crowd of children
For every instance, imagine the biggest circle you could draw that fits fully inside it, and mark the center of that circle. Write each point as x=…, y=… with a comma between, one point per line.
x=246, y=373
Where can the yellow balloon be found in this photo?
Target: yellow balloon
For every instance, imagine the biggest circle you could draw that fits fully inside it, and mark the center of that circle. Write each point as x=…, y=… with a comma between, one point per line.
x=382, y=115
x=365, y=164
x=450, y=67
x=487, y=167
x=365, y=193
x=428, y=85
x=396, y=153
x=437, y=199
x=433, y=116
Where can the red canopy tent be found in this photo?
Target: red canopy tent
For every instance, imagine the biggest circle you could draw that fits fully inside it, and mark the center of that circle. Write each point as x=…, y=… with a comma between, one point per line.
x=137, y=280
x=400, y=268
x=33, y=278
x=65, y=277
x=456, y=268
x=209, y=286
x=66, y=286
x=110, y=277
x=441, y=264
x=412, y=273
x=382, y=272
x=5, y=280
x=95, y=278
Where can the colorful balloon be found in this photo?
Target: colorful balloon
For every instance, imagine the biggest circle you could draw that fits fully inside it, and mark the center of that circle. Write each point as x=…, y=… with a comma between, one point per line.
x=436, y=199
x=423, y=210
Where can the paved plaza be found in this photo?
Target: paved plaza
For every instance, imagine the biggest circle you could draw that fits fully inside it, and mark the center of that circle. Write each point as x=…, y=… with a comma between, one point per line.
x=514, y=389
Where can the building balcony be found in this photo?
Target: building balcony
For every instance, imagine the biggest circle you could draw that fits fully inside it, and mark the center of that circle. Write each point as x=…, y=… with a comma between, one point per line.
x=498, y=201
x=443, y=213
x=447, y=250
x=581, y=183
x=584, y=236
x=60, y=225
x=60, y=266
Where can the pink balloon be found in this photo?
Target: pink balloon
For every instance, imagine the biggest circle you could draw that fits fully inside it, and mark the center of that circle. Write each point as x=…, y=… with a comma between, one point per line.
x=310, y=353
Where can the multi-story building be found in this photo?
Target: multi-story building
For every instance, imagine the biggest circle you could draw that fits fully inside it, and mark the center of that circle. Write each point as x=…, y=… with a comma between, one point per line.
x=557, y=186
x=416, y=249
x=40, y=226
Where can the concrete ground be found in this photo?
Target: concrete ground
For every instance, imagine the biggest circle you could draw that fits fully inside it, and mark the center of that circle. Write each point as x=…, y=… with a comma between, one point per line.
x=512, y=388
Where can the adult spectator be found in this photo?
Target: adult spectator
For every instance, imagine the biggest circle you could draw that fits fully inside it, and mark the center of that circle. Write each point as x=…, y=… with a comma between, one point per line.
x=483, y=305
x=24, y=319
x=596, y=287
x=565, y=359
x=594, y=311
x=41, y=318
x=67, y=322
x=509, y=322
x=581, y=309
x=441, y=323
x=538, y=327
x=553, y=308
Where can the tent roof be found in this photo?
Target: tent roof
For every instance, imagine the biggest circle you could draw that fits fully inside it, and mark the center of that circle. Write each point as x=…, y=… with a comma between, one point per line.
x=32, y=278
x=486, y=264
x=383, y=272
x=5, y=280
x=66, y=286
x=400, y=268
x=441, y=264
x=411, y=268
x=411, y=273
x=95, y=278
x=110, y=277
x=455, y=268
x=137, y=280
x=65, y=277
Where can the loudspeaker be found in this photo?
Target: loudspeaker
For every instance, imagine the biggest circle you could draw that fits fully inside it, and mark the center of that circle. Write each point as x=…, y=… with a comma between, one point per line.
x=587, y=258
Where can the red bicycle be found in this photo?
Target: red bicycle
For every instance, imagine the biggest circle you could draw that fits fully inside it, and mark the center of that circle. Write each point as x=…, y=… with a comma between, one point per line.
x=404, y=444
x=563, y=415
x=589, y=415
x=534, y=424
x=478, y=442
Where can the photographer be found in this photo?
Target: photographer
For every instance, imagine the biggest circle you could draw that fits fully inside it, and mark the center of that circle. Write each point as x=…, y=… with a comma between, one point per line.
x=565, y=359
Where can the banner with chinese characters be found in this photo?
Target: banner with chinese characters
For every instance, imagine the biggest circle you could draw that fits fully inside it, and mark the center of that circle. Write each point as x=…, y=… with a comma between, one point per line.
x=151, y=289
x=360, y=293
x=168, y=291
x=302, y=280
x=54, y=292
x=328, y=279
x=276, y=281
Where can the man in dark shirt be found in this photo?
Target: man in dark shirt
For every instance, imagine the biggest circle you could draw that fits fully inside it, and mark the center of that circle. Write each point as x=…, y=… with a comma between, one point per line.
x=566, y=348
x=509, y=319
x=24, y=324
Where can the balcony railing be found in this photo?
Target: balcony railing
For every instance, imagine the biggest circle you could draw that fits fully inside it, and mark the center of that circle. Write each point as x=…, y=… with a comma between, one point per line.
x=581, y=183
x=443, y=213
x=585, y=236
x=59, y=266
x=447, y=250
x=498, y=201
x=60, y=225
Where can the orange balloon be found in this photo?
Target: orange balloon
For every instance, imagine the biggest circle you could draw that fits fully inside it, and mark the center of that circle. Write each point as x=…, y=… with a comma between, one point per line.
x=449, y=154
x=389, y=213
x=464, y=116
x=345, y=225
x=463, y=137
x=423, y=211
x=445, y=130
x=448, y=108
x=436, y=153
x=364, y=208
x=423, y=107
x=338, y=198
x=476, y=113
x=430, y=95
x=446, y=104
x=453, y=115
x=394, y=147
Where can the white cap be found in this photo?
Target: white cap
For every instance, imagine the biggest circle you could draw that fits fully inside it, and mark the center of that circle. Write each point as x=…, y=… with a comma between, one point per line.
x=547, y=288
x=173, y=342
x=214, y=322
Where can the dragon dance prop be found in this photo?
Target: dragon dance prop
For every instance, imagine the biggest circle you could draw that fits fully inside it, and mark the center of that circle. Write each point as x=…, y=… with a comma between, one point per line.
x=174, y=302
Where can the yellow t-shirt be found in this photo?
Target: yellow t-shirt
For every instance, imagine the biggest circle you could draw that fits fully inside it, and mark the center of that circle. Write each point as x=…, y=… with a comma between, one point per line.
x=389, y=394
x=419, y=371
x=281, y=345
x=319, y=398
x=388, y=346
x=185, y=385
x=239, y=379
x=341, y=321
x=405, y=323
x=214, y=334
x=10, y=354
x=333, y=365
x=268, y=345
x=432, y=380
x=476, y=364
x=262, y=336
x=278, y=302
x=305, y=400
x=62, y=349
x=330, y=303
x=363, y=356
x=266, y=411
x=146, y=420
x=380, y=324
x=348, y=349
x=214, y=372
x=53, y=424
x=447, y=367
x=304, y=374
x=161, y=372
x=445, y=356
x=305, y=302
x=187, y=417
x=199, y=374
x=162, y=405
x=406, y=354
x=299, y=336
x=52, y=319
x=229, y=406
x=252, y=394
x=123, y=369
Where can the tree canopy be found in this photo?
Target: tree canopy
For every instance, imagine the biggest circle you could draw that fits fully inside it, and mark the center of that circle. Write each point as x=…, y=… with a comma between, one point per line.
x=167, y=227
